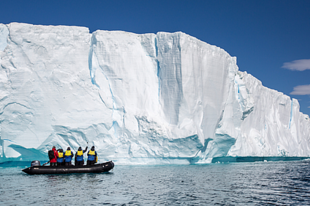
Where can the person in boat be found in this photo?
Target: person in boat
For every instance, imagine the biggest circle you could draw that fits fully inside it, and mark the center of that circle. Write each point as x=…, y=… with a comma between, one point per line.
x=52, y=154
x=92, y=156
x=68, y=156
x=60, y=158
x=79, y=158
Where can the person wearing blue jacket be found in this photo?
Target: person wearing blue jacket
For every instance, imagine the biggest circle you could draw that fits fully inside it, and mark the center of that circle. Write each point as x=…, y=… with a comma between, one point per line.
x=68, y=156
x=92, y=156
x=60, y=157
x=79, y=158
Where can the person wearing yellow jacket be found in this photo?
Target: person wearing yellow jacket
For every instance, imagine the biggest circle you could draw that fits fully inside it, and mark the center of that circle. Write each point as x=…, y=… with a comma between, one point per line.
x=68, y=156
x=60, y=158
x=79, y=158
x=92, y=156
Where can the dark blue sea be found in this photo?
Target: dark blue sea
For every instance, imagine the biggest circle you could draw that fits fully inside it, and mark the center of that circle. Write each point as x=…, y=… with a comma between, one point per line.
x=255, y=183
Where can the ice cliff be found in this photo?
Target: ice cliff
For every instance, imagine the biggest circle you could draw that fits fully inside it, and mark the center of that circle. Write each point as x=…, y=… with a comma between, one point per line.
x=139, y=98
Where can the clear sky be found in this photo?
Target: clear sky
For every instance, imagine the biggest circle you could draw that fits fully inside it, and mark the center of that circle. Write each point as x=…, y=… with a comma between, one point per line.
x=270, y=38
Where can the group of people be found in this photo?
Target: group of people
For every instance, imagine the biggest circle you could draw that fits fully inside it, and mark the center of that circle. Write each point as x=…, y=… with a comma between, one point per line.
x=61, y=158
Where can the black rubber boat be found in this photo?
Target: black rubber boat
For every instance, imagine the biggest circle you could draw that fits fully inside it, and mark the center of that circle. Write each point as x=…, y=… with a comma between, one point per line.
x=97, y=168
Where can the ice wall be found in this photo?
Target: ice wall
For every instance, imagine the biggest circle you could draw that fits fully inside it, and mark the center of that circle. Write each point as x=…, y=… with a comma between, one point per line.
x=139, y=98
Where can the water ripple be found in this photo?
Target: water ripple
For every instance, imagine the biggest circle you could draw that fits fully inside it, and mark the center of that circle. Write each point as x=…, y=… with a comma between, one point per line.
x=272, y=183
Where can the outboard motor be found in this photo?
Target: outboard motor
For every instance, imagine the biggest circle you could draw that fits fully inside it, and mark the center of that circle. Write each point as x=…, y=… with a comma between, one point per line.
x=35, y=163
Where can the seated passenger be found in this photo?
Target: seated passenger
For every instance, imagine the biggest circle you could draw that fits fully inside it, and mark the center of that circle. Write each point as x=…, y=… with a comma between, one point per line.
x=92, y=156
x=60, y=157
x=79, y=158
x=68, y=156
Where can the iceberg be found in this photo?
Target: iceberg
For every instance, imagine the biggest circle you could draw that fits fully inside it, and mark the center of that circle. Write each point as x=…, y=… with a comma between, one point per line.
x=165, y=98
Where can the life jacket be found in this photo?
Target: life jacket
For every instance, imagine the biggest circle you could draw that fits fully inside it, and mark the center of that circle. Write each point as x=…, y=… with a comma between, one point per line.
x=60, y=157
x=60, y=154
x=91, y=155
x=79, y=156
x=68, y=153
x=68, y=157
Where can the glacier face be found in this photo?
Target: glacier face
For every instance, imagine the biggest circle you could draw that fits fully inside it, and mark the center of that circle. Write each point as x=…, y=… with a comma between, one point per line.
x=139, y=98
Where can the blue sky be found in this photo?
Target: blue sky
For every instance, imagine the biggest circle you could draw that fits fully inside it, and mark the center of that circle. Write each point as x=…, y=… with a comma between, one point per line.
x=270, y=38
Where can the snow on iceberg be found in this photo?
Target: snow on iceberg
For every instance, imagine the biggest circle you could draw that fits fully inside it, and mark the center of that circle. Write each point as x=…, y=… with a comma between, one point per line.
x=139, y=98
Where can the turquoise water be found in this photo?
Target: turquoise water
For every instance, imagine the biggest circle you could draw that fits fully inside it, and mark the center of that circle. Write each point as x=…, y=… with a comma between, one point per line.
x=255, y=183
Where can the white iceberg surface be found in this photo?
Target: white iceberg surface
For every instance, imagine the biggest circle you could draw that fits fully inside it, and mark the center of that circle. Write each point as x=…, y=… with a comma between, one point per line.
x=139, y=98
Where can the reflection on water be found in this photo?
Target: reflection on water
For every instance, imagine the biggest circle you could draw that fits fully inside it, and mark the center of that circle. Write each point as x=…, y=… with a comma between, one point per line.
x=279, y=183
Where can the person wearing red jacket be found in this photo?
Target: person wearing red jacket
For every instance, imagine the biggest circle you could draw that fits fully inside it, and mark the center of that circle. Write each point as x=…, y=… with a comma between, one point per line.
x=53, y=161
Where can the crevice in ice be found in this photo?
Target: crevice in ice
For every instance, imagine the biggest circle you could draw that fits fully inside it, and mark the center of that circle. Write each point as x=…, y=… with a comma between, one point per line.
x=244, y=100
x=3, y=98
x=219, y=121
x=246, y=113
x=202, y=151
x=206, y=144
x=92, y=69
x=158, y=66
x=116, y=129
x=21, y=48
x=93, y=58
x=291, y=115
x=103, y=101
x=13, y=103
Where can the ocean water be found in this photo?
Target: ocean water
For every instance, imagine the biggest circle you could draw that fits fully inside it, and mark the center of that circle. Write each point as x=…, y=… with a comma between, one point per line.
x=255, y=183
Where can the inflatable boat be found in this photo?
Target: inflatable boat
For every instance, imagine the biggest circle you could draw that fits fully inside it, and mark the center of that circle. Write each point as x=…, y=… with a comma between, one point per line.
x=97, y=168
